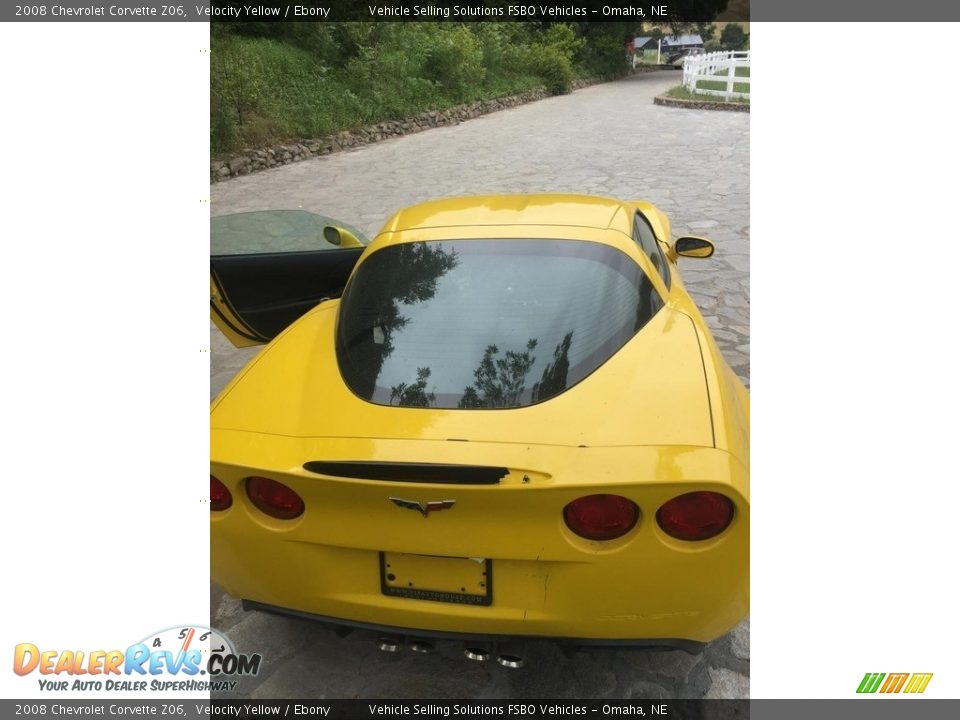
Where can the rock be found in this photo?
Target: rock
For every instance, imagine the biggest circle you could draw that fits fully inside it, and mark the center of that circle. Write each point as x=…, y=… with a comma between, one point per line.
x=239, y=164
x=740, y=640
x=727, y=684
x=253, y=160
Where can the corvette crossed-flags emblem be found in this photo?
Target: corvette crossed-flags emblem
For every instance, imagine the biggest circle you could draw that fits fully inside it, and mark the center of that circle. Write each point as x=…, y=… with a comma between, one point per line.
x=423, y=508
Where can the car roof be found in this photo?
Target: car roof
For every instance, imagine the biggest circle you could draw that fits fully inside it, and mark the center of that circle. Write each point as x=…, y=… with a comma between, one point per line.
x=480, y=210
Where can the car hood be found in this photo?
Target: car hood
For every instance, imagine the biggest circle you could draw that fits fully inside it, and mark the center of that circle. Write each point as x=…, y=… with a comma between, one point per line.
x=652, y=392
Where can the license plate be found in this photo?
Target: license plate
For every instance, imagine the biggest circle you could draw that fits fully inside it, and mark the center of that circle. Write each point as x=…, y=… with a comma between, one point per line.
x=466, y=581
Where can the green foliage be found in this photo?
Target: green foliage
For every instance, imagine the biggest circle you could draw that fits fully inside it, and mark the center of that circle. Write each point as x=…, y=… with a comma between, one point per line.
x=552, y=66
x=706, y=31
x=732, y=37
x=550, y=57
x=564, y=38
x=271, y=82
x=236, y=92
x=455, y=61
x=603, y=53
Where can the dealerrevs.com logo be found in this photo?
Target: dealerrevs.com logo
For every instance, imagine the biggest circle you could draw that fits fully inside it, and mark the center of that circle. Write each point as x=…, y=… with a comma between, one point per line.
x=894, y=682
x=181, y=659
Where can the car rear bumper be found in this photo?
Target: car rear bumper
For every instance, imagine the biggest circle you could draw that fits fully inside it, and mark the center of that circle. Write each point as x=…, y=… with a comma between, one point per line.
x=693, y=596
x=688, y=646
x=546, y=581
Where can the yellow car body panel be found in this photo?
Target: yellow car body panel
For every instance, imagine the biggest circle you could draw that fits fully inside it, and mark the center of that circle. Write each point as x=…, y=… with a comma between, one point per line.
x=556, y=210
x=228, y=322
x=662, y=416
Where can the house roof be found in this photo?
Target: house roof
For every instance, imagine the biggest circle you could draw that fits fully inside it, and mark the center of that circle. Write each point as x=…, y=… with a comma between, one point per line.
x=683, y=40
x=641, y=41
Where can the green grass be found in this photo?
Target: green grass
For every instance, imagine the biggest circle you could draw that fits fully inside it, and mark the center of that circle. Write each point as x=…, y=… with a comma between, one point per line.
x=681, y=93
x=268, y=90
x=719, y=85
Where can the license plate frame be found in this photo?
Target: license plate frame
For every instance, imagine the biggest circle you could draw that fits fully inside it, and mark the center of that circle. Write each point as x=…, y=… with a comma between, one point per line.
x=455, y=580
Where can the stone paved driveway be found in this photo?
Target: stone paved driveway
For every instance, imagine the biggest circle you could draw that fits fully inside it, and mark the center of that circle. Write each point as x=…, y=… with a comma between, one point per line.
x=607, y=139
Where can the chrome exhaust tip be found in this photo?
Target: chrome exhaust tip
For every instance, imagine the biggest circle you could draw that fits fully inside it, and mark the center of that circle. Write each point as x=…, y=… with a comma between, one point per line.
x=423, y=647
x=389, y=644
x=477, y=653
x=514, y=662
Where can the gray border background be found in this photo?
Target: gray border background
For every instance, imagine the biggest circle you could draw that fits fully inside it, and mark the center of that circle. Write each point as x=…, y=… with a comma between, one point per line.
x=890, y=708
x=873, y=707
x=760, y=10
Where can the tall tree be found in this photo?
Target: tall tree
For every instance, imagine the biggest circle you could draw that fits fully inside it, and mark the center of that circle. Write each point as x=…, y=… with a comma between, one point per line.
x=732, y=37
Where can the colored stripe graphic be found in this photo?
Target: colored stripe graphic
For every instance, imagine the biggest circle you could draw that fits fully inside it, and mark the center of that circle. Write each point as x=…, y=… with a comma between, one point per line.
x=186, y=641
x=870, y=682
x=894, y=682
x=918, y=683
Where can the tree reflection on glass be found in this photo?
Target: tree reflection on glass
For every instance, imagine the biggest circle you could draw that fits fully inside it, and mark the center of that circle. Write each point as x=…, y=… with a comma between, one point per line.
x=404, y=274
x=500, y=381
x=486, y=323
x=413, y=394
x=553, y=381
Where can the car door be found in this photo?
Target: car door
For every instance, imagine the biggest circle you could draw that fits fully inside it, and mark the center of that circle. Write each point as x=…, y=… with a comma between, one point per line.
x=644, y=236
x=267, y=268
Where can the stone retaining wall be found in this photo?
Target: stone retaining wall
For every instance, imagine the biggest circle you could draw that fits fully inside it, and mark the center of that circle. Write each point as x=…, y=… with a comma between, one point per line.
x=701, y=104
x=250, y=161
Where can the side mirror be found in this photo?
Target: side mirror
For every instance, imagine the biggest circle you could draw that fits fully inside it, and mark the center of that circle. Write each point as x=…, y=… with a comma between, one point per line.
x=693, y=247
x=340, y=237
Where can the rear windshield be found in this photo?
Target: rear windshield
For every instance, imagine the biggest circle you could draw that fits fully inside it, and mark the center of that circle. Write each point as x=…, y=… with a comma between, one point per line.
x=486, y=323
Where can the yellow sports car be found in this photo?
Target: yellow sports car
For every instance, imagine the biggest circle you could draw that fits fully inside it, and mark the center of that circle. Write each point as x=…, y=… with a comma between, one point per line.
x=502, y=418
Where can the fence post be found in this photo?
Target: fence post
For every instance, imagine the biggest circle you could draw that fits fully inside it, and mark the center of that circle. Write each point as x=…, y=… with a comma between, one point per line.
x=708, y=66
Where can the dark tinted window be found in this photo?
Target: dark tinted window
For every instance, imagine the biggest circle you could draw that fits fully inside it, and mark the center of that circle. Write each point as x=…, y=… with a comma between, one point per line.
x=643, y=234
x=486, y=323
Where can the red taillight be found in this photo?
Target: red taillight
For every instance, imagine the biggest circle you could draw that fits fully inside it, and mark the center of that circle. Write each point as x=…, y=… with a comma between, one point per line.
x=273, y=498
x=220, y=497
x=696, y=515
x=601, y=517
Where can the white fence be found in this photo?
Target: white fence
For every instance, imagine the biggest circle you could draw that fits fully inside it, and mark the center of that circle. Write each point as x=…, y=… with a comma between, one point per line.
x=717, y=67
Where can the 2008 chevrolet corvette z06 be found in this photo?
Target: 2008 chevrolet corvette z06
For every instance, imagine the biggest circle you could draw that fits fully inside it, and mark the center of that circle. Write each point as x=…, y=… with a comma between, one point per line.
x=503, y=417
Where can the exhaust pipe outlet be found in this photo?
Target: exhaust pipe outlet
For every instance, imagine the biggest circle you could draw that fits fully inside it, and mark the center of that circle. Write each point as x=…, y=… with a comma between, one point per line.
x=508, y=660
x=477, y=652
x=389, y=644
x=510, y=655
x=423, y=647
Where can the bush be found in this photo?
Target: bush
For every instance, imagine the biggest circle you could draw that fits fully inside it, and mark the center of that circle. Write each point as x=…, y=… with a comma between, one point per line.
x=551, y=57
x=455, y=62
x=563, y=38
x=236, y=92
x=603, y=53
x=732, y=37
x=272, y=82
x=551, y=66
